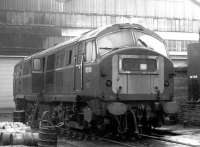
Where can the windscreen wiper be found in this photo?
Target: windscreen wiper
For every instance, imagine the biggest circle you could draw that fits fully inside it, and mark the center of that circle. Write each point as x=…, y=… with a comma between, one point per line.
x=143, y=43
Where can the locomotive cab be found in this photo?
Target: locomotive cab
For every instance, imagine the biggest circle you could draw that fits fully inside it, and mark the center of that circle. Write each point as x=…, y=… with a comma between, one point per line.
x=135, y=72
x=139, y=63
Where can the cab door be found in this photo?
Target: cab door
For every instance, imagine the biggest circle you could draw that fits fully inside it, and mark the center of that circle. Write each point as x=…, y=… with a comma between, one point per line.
x=37, y=75
x=78, y=67
x=90, y=68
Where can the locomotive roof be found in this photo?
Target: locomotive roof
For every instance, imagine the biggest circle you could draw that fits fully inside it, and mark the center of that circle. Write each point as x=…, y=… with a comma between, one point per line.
x=95, y=33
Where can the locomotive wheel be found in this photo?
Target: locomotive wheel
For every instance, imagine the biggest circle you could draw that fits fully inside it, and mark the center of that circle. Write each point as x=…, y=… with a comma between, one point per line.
x=118, y=127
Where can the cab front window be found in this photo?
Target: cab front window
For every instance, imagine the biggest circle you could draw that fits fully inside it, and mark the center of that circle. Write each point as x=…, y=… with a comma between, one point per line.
x=37, y=64
x=147, y=41
x=90, y=51
x=115, y=40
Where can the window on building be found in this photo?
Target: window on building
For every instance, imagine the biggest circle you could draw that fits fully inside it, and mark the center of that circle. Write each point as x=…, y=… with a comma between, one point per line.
x=183, y=46
x=178, y=45
x=174, y=45
x=177, y=25
x=171, y=44
x=173, y=25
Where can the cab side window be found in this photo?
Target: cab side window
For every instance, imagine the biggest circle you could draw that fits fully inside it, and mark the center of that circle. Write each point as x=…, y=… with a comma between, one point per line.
x=80, y=51
x=27, y=67
x=60, y=56
x=90, y=52
x=69, y=56
x=37, y=65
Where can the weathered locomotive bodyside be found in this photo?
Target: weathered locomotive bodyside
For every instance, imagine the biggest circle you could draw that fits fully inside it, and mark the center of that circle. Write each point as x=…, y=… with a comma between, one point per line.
x=116, y=79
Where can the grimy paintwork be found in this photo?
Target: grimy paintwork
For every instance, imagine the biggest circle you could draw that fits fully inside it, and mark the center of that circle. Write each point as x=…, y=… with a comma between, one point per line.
x=95, y=87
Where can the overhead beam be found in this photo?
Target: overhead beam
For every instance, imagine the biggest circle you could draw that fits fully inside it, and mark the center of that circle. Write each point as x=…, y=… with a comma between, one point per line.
x=30, y=29
x=95, y=14
x=18, y=51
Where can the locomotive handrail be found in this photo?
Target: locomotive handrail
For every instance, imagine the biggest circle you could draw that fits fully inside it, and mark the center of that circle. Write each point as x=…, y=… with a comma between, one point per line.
x=74, y=73
x=81, y=67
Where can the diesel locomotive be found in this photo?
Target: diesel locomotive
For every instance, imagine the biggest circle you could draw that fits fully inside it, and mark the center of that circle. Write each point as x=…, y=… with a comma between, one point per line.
x=114, y=79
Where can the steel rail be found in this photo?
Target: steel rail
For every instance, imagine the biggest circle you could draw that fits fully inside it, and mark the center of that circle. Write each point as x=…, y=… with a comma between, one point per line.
x=142, y=135
x=167, y=140
x=116, y=142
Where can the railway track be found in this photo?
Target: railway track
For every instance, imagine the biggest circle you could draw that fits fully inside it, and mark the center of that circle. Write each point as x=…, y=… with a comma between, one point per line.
x=166, y=140
x=90, y=141
x=101, y=142
x=152, y=137
x=189, y=132
x=117, y=142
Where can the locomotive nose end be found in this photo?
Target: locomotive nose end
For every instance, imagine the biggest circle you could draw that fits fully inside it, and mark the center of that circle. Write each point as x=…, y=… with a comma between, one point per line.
x=171, y=107
x=117, y=108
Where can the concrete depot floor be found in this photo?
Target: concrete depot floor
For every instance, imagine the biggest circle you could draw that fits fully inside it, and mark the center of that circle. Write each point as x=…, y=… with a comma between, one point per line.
x=186, y=134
